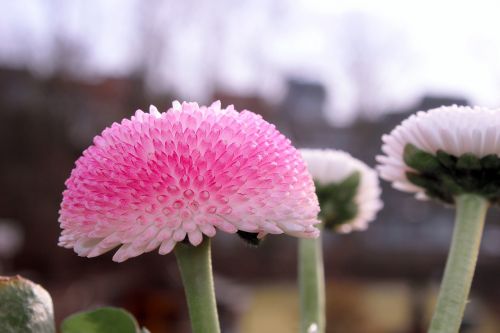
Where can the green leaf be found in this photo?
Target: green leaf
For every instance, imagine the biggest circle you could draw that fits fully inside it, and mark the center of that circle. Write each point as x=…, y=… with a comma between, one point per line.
x=420, y=160
x=25, y=307
x=102, y=320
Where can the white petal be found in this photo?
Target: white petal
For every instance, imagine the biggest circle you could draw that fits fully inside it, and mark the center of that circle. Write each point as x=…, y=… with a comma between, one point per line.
x=154, y=111
x=176, y=105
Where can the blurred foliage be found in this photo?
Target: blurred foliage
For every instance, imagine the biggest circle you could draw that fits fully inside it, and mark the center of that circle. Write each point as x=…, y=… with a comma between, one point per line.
x=102, y=320
x=25, y=307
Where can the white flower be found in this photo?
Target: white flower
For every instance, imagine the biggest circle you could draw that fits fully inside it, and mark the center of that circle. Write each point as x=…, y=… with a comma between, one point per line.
x=452, y=130
x=330, y=167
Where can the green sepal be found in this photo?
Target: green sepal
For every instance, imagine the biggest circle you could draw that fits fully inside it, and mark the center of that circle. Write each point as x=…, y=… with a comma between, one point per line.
x=336, y=200
x=490, y=162
x=349, y=187
x=25, y=307
x=420, y=160
x=418, y=180
x=454, y=175
x=449, y=183
x=433, y=186
x=102, y=320
x=447, y=160
x=468, y=161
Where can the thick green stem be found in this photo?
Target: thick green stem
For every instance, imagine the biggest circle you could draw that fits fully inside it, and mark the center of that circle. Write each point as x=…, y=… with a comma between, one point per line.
x=461, y=263
x=196, y=270
x=312, y=286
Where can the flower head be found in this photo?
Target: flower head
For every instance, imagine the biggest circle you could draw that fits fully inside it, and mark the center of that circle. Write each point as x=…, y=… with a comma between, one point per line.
x=444, y=152
x=348, y=190
x=159, y=178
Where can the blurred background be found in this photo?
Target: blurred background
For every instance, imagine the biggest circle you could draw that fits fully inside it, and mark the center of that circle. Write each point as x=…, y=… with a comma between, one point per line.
x=333, y=74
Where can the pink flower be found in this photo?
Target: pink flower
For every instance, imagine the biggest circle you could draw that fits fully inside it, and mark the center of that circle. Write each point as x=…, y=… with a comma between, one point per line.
x=152, y=180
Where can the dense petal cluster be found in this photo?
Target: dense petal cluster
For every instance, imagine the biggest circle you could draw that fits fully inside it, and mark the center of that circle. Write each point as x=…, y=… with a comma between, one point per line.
x=159, y=178
x=329, y=166
x=451, y=132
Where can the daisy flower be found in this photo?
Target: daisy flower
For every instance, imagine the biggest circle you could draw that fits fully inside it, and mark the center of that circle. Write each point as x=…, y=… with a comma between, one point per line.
x=451, y=154
x=159, y=178
x=444, y=152
x=347, y=188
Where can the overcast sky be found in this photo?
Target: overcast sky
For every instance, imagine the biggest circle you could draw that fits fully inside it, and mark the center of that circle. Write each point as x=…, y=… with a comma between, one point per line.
x=384, y=54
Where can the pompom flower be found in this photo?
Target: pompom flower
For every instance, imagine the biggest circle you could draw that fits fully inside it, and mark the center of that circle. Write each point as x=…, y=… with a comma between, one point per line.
x=451, y=154
x=159, y=178
x=348, y=190
x=444, y=152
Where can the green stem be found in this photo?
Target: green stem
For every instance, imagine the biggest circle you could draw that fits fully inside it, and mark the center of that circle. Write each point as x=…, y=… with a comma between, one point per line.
x=196, y=270
x=312, y=286
x=461, y=263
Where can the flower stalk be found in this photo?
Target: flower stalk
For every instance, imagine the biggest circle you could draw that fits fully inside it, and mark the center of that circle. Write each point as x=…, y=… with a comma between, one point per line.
x=461, y=263
x=312, y=286
x=349, y=196
x=195, y=265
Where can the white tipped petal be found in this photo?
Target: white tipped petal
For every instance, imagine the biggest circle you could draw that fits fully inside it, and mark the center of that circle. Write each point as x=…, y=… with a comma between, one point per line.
x=271, y=228
x=208, y=230
x=291, y=228
x=216, y=105
x=179, y=235
x=84, y=246
x=154, y=111
x=421, y=196
x=195, y=237
x=176, y=105
x=167, y=246
x=153, y=244
x=124, y=252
